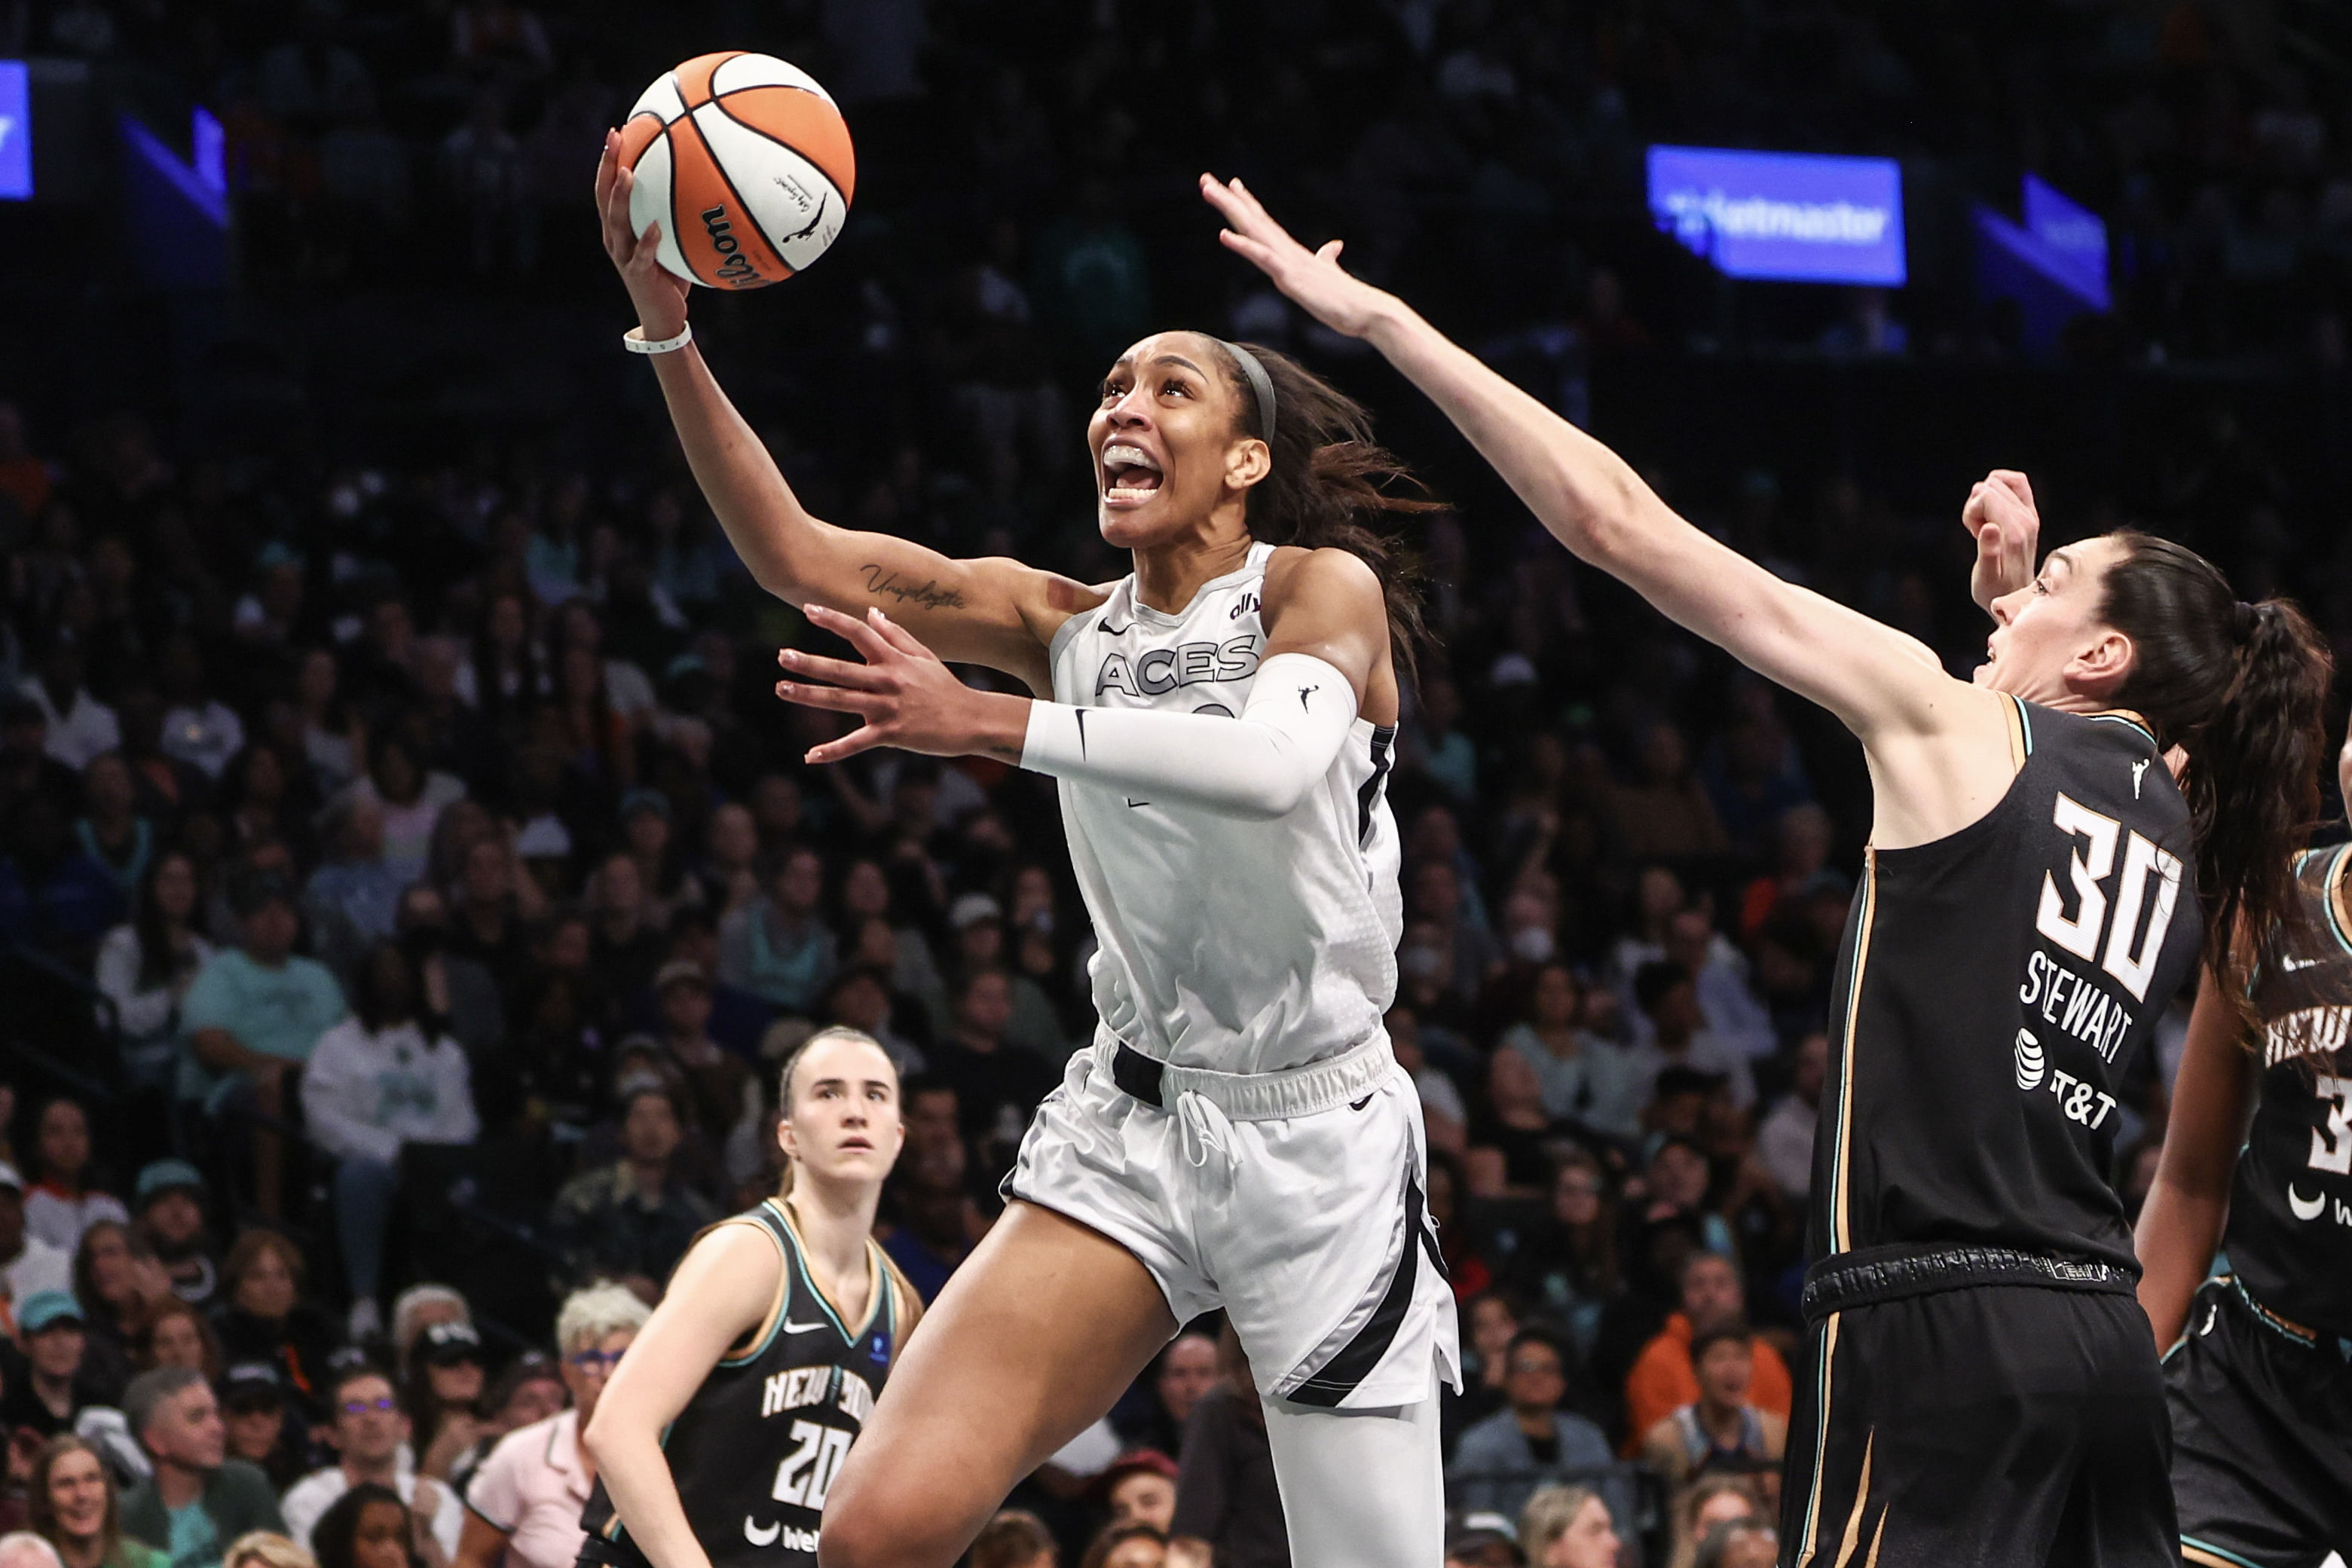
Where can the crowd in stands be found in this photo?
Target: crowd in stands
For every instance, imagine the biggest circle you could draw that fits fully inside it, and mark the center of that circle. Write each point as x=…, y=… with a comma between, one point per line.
x=432, y=884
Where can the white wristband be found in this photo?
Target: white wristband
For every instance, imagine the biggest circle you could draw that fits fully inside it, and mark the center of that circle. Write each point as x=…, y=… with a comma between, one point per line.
x=634, y=340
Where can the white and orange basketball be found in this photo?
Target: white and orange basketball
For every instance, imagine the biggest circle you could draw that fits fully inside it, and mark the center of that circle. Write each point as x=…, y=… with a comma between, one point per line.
x=747, y=163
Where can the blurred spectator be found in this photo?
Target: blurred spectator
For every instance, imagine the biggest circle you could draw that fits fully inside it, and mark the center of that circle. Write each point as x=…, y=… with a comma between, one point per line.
x=1784, y=1140
x=525, y=1500
x=146, y=967
x=179, y=1334
x=1140, y=1488
x=198, y=1500
x=775, y=946
x=28, y=1265
x=1567, y=1527
x=265, y=1549
x=632, y=1219
x=1186, y=1369
x=120, y=1285
x=997, y=1085
x=1585, y=1082
x=1750, y=1543
x=262, y=1315
x=72, y=1504
x=528, y=1392
x=1013, y=1537
x=1729, y=1007
x=1134, y=1545
x=378, y=1081
x=110, y=831
x=1709, y=1504
x=199, y=728
x=1662, y=1380
x=370, y=1527
x=78, y=726
x=55, y=1387
x=1031, y=1023
x=414, y=1311
x=1566, y=1264
x=1225, y=1492
x=1443, y=1117
x=61, y=1204
x=1664, y=814
x=409, y=800
x=253, y=1010
x=368, y=1431
x=261, y=1427
x=446, y=1378
x=352, y=900
x=1668, y=997
x=1721, y=1429
x=1501, y=1460
x=168, y=1212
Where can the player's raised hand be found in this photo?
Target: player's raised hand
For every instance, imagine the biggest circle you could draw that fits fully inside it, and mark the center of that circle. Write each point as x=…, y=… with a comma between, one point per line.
x=2000, y=515
x=658, y=294
x=906, y=696
x=1313, y=278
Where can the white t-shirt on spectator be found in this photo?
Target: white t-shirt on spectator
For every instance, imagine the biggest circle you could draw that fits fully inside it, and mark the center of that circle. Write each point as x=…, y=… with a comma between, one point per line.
x=59, y=1221
x=306, y=1501
x=533, y=1486
x=367, y=1092
x=39, y=1267
x=84, y=729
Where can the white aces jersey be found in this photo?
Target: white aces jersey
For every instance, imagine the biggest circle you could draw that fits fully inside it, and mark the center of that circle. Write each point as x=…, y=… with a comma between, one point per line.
x=1234, y=946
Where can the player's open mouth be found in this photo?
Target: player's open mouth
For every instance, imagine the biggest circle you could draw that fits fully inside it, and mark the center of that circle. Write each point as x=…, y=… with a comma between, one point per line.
x=848, y=1143
x=1131, y=476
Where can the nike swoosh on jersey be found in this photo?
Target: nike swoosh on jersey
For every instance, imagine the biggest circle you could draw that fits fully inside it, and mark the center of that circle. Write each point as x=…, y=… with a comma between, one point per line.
x=792, y=1327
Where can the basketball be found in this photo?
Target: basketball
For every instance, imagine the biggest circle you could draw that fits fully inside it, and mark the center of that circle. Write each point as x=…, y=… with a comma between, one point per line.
x=746, y=163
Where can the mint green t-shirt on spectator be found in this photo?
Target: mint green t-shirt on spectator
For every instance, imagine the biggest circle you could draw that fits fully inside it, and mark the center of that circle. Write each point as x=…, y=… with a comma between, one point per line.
x=278, y=1012
x=195, y=1538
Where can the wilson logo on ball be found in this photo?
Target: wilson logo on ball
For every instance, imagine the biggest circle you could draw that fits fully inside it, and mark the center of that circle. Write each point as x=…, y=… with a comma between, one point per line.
x=736, y=271
x=746, y=164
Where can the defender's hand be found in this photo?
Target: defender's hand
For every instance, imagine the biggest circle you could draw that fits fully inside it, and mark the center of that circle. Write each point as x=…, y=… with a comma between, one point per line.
x=906, y=696
x=2001, y=516
x=1313, y=278
x=658, y=294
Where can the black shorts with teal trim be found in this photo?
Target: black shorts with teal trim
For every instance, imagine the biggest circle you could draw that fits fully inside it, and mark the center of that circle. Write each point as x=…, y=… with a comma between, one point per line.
x=1992, y=1425
x=2262, y=1437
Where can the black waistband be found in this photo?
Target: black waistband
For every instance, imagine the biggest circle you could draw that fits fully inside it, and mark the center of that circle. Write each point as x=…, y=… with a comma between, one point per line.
x=1890, y=1274
x=1137, y=1074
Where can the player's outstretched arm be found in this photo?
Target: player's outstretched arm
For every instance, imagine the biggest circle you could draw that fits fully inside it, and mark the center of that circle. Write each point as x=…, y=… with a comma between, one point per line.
x=996, y=612
x=1879, y=681
x=2181, y=1223
x=720, y=1294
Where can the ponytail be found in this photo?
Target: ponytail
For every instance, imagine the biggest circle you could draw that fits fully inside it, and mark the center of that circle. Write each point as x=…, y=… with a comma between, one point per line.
x=1332, y=486
x=2242, y=688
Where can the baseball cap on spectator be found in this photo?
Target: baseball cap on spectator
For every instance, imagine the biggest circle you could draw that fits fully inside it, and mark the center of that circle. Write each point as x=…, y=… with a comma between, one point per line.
x=643, y=799
x=161, y=1176
x=1485, y=1539
x=680, y=971
x=972, y=908
x=446, y=1344
x=252, y=1385
x=45, y=1310
x=9, y=1178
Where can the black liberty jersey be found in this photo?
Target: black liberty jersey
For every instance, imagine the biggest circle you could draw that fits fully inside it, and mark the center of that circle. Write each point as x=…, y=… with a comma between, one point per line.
x=2290, y=1233
x=1992, y=989
x=755, y=1451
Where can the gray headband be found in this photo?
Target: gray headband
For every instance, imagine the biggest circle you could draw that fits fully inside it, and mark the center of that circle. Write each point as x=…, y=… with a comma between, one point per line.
x=1260, y=383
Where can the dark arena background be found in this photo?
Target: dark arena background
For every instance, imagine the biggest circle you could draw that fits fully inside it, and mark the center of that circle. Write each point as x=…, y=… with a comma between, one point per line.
x=352, y=571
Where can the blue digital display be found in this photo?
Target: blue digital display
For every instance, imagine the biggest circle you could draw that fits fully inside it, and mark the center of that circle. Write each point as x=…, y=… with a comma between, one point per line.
x=2074, y=247
x=208, y=149
x=15, y=132
x=1793, y=216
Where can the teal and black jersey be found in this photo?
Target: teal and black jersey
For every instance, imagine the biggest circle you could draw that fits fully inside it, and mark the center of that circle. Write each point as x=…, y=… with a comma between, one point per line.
x=755, y=1451
x=1993, y=987
x=2289, y=1232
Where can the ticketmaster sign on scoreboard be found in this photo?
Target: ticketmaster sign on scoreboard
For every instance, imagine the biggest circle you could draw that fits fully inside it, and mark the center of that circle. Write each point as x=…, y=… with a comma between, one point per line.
x=1793, y=216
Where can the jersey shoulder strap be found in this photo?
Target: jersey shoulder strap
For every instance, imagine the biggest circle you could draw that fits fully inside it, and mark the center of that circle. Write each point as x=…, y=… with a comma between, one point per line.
x=768, y=1219
x=905, y=1302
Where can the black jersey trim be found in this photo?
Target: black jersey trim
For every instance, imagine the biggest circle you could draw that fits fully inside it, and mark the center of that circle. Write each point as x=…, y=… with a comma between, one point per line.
x=1841, y=1221
x=2021, y=737
x=2125, y=717
x=2207, y=1555
x=1383, y=755
x=1821, y=1437
x=1356, y=1360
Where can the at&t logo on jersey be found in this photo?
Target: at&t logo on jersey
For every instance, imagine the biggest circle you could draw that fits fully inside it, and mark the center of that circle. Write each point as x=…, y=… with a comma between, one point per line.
x=2031, y=1064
